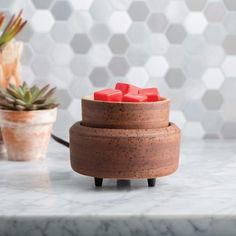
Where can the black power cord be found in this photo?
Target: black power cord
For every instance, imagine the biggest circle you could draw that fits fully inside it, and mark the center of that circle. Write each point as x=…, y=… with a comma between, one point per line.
x=61, y=141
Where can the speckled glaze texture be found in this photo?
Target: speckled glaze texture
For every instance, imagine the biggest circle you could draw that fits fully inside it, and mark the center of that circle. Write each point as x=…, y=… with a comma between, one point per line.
x=124, y=153
x=26, y=134
x=125, y=115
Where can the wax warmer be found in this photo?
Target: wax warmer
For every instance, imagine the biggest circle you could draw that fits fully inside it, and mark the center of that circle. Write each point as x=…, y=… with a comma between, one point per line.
x=124, y=140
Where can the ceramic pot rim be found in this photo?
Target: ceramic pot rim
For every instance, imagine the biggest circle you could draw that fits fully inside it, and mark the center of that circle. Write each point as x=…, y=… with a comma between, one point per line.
x=27, y=112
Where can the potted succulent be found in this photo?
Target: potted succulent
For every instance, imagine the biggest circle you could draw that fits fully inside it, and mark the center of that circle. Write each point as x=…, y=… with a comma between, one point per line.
x=27, y=115
x=10, y=52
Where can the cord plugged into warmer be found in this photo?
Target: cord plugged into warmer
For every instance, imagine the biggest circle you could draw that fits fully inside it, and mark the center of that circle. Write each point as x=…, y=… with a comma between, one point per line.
x=61, y=141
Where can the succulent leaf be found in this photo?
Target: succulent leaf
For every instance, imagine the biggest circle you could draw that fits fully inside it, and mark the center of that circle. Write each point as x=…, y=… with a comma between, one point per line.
x=25, y=98
x=13, y=27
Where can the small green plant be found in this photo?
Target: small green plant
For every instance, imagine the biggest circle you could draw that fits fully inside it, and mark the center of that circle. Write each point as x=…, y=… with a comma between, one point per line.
x=13, y=27
x=25, y=98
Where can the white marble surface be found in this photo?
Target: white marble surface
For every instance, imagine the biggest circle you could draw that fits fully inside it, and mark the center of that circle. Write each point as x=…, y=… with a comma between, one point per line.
x=48, y=198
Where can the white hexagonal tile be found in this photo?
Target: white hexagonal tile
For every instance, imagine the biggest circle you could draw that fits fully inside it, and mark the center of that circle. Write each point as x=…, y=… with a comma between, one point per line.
x=215, y=34
x=75, y=109
x=101, y=10
x=41, y=43
x=195, y=23
x=193, y=130
x=193, y=110
x=42, y=21
x=80, y=22
x=212, y=122
x=138, y=33
x=121, y=5
x=137, y=76
x=61, y=76
x=195, y=44
x=61, y=26
x=178, y=118
x=158, y=5
x=79, y=91
x=119, y=22
x=81, y=4
x=175, y=55
x=100, y=33
x=177, y=11
x=81, y=65
x=41, y=65
x=229, y=22
x=214, y=55
x=61, y=54
x=157, y=44
x=229, y=66
x=194, y=66
x=100, y=55
x=213, y=78
x=157, y=66
x=137, y=55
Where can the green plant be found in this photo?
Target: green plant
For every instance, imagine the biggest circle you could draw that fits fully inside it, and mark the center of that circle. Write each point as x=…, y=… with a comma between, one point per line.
x=13, y=27
x=25, y=98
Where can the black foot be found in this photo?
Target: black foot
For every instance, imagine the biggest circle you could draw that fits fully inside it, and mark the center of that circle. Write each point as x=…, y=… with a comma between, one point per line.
x=151, y=182
x=98, y=182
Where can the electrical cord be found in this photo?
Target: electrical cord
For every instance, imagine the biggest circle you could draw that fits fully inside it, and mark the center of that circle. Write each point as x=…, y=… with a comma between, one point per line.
x=61, y=141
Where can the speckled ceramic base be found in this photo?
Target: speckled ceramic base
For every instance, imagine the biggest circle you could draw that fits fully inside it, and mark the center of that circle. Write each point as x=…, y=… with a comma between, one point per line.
x=124, y=153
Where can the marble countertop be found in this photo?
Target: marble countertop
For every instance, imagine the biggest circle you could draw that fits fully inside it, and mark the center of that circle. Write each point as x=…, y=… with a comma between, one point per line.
x=48, y=198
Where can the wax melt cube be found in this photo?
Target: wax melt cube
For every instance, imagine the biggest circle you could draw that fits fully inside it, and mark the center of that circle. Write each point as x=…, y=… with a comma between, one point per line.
x=108, y=95
x=132, y=97
x=127, y=88
x=151, y=93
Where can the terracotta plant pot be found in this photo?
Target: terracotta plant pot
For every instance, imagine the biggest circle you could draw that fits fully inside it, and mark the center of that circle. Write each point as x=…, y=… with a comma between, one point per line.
x=26, y=134
x=124, y=153
x=125, y=115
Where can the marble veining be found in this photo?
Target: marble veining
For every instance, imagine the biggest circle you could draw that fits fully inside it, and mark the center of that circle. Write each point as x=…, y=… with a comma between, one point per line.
x=48, y=198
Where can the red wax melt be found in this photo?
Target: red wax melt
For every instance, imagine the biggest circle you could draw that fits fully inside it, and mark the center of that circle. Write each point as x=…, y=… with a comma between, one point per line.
x=151, y=93
x=108, y=95
x=132, y=97
x=127, y=88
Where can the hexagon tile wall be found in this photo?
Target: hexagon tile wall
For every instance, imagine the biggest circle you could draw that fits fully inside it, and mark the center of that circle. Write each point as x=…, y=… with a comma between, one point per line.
x=187, y=48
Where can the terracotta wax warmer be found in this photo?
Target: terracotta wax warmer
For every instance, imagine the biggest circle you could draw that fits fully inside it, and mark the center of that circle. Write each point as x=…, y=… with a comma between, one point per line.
x=124, y=140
